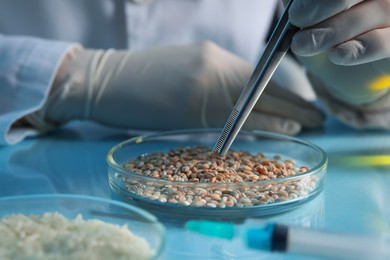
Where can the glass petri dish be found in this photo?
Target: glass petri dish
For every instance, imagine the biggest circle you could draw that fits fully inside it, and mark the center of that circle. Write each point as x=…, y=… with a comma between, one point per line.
x=138, y=221
x=265, y=197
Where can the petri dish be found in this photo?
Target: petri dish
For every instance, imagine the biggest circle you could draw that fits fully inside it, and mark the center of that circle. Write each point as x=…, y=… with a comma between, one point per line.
x=252, y=198
x=140, y=223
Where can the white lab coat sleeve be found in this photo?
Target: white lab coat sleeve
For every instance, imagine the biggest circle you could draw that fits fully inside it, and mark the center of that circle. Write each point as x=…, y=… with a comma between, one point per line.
x=27, y=69
x=375, y=115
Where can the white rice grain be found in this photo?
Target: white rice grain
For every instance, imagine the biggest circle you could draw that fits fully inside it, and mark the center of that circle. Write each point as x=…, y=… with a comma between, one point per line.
x=52, y=236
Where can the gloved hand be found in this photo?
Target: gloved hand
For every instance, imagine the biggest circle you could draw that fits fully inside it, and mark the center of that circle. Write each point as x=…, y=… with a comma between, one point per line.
x=164, y=88
x=353, y=31
x=346, y=45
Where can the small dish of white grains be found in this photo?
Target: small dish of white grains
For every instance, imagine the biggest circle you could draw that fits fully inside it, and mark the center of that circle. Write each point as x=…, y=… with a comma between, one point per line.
x=53, y=236
x=63, y=226
x=263, y=173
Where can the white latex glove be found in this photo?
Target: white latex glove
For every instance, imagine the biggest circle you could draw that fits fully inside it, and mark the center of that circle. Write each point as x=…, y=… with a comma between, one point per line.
x=375, y=115
x=167, y=88
x=352, y=31
x=345, y=43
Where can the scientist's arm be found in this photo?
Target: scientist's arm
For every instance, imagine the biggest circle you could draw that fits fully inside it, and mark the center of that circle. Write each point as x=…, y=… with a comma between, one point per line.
x=27, y=66
x=176, y=87
x=345, y=46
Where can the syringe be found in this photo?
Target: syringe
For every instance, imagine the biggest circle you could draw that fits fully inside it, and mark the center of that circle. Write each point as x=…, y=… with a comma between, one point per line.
x=303, y=241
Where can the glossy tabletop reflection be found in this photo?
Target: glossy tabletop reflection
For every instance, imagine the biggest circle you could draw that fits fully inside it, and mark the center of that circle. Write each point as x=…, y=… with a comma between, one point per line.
x=356, y=194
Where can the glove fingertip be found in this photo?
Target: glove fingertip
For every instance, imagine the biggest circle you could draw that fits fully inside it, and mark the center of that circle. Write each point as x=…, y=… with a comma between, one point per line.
x=348, y=53
x=273, y=124
x=290, y=128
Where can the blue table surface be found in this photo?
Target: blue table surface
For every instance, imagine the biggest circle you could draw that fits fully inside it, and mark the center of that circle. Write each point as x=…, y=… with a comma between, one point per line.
x=72, y=160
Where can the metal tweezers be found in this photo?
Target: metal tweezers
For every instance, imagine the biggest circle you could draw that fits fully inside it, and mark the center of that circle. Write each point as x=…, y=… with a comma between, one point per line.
x=274, y=51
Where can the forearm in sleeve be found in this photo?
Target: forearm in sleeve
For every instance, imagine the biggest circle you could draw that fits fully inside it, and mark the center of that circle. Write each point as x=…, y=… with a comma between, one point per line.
x=28, y=66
